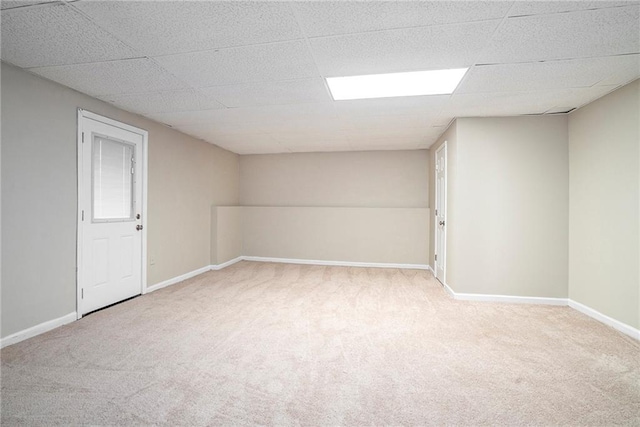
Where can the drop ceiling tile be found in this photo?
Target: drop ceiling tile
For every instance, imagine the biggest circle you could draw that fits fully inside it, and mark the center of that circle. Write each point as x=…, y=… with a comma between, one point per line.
x=532, y=76
x=258, y=119
x=393, y=123
x=582, y=34
x=382, y=144
x=244, y=150
x=360, y=140
x=389, y=132
x=253, y=147
x=498, y=104
x=320, y=147
x=10, y=4
x=576, y=98
x=334, y=17
x=257, y=63
x=624, y=73
x=56, y=34
x=311, y=137
x=270, y=93
x=160, y=102
x=423, y=48
x=160, y=28
x=426, y=105
x=193, y=118
x=523, y=8
x=113, y=77
x=244, y=138
x=518, y=103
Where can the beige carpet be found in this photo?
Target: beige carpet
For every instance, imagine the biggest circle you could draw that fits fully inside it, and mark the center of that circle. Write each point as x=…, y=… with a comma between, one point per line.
x=277, y=344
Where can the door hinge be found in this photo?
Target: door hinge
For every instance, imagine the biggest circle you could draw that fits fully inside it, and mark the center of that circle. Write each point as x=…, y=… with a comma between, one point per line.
x=436, y=257
x=83, y=137
x=82, y=293
x=436, y=212
x=83, y=215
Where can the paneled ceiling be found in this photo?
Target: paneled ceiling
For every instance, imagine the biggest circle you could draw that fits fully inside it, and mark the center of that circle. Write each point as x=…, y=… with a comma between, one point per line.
x=249, y=76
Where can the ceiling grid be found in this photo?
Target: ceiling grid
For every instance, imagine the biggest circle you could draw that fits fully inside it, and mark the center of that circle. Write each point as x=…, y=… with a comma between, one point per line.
x=250, y=76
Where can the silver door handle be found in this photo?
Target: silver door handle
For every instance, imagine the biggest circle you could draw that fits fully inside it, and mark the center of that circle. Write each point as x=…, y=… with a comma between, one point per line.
x=139, y=227
x=441, y=223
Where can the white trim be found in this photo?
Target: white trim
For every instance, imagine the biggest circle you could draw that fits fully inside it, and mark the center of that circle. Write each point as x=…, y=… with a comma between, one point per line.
x=503, y=298
x=177, y=279
x=226, y=264
x=449, y=290
x=84, y=114
x=37, y=330
x=336, y=263
x=510, y=299
x=79, y=215
x=443, y=146
x=603, y=318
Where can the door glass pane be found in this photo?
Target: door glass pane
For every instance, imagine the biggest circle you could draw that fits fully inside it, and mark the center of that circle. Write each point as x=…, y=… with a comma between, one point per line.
x=112, y=188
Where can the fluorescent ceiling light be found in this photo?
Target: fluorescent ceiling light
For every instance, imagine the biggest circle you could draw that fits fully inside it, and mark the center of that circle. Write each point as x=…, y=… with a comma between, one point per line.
x=435, y=82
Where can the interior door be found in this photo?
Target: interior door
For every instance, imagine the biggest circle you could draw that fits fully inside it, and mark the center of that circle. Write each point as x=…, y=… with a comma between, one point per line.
x=110, y=210
x=441, y=212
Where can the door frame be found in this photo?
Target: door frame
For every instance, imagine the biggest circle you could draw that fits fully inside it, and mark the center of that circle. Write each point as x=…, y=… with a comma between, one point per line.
x=446, y=213
x=83, y=115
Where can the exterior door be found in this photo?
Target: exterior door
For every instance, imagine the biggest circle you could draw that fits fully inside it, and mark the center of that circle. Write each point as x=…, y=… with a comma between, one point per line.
x=110, y=211
x=441, y=213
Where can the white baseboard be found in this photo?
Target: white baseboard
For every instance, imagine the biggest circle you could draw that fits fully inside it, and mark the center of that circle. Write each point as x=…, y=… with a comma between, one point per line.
x=510, y=299
x=449, y=290
x=337, y=263
x=603, y=318
x=38, y=329
x=177, y=279
x=226, y=264
x=504, y=298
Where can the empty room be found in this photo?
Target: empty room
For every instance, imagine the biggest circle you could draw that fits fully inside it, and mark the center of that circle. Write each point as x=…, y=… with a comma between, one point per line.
x=320, y=213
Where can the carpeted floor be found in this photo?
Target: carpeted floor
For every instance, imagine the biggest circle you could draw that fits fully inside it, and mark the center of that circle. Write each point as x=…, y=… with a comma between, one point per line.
x=277, y=344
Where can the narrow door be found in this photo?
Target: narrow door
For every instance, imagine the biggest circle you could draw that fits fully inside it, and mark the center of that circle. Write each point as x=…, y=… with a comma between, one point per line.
x=441, y=212
x=110, y=225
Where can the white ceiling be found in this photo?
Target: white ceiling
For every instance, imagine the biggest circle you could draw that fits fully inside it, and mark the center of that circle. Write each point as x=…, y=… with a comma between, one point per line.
x=248, y=76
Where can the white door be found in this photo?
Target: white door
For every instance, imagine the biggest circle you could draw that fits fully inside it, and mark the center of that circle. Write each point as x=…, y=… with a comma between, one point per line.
x=110, y=210
x=441, y=212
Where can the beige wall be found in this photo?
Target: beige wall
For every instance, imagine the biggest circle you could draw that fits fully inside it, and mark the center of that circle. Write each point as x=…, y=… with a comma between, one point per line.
x=343, y=206
x=507, y=206
x=376, y=235
x=226, y=233
x=512, y=206
x=604, y=261
x=186, y=177
x=345, y=179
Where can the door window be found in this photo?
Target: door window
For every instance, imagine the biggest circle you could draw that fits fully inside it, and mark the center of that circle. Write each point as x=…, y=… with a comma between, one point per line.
x=112, y=176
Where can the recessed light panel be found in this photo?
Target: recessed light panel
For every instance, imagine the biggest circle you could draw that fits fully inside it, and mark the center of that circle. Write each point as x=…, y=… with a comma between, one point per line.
x=415, y=83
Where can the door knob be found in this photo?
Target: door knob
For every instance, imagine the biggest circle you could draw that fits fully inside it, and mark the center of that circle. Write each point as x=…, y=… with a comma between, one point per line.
x=441, y=223
x=139, y=227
